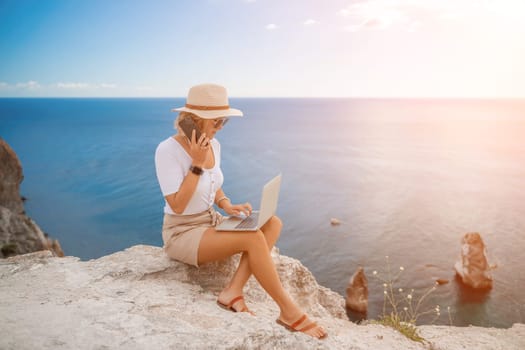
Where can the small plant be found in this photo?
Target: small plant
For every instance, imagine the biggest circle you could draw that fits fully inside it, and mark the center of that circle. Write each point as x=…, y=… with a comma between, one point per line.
x=449, y=316
x=400, y=309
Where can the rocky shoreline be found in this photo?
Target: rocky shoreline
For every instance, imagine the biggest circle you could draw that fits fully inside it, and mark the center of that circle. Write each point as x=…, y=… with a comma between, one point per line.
x=140, y=299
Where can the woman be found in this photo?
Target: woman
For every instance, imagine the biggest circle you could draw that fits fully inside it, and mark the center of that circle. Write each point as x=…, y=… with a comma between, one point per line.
x=189, y=174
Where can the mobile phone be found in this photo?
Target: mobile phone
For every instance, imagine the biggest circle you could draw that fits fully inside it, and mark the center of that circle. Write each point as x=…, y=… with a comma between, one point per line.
x=188, y=125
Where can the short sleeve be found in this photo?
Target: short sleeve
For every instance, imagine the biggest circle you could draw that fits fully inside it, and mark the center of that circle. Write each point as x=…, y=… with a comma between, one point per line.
x=170, y=168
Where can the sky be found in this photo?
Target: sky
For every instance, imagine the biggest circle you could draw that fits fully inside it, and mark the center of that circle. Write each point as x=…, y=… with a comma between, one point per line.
x=263, y=48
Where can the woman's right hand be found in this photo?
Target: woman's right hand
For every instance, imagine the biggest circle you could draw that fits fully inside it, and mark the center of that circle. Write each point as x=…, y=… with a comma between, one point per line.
x=199, y=149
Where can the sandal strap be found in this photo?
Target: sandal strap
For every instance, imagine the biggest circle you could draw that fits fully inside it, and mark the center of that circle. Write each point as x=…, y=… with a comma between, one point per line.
x=308, y=327
x=234, y=300
x=298, y=322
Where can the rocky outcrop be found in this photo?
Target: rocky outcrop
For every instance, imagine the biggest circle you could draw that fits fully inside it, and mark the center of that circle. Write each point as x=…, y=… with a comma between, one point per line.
x=473, y=268
x=10, y=178
x=18, y=233
x=139, y=299
x=357, y=292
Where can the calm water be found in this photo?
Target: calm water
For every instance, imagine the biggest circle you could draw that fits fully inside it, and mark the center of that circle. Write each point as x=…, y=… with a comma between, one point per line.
x=407, y=178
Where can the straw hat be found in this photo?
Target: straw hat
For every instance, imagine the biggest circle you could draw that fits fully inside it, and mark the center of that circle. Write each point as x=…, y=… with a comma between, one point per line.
x=208, y=101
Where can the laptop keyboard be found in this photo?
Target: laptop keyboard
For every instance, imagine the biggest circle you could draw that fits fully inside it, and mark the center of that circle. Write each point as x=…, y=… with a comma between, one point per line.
x=249, y=222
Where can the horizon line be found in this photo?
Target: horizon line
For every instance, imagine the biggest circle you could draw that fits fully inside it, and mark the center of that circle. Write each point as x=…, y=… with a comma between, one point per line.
x=287, y=97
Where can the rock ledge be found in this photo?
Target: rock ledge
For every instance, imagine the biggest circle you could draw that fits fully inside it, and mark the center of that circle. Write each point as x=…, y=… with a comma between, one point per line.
x=139, y=299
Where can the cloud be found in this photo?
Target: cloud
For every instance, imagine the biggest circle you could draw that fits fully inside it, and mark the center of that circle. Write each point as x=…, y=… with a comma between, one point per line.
x=144, y=88
x=373, y=14
x=72, y=85
x=411, y=14
x=30, y=85
x=108, y=86
x=271, y=26
x=62, y=86
x=310, y=22
x=79, y=86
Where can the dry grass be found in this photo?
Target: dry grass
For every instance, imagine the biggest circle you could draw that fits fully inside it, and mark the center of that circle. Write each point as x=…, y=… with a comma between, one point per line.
x=401, y=310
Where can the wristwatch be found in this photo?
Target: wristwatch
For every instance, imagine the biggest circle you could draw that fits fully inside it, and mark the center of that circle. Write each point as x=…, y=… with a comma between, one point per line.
x=196, y=170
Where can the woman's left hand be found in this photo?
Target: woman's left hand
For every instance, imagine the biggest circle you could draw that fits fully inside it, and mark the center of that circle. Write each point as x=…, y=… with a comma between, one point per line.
x=237, y=209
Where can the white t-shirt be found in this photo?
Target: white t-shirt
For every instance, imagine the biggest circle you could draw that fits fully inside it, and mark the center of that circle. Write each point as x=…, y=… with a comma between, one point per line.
x=172, y=164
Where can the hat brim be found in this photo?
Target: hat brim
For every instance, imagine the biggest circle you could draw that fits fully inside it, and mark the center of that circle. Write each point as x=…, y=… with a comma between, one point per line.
x=211, y=114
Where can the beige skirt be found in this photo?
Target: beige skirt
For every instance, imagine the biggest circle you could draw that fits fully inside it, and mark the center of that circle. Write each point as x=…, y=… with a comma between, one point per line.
x=182, y=234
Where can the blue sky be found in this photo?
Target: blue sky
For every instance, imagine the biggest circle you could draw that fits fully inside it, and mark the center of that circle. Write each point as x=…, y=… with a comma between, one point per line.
x=330, y=48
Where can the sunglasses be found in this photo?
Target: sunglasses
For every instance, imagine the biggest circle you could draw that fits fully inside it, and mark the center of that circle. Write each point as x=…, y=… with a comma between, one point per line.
x=217, y=123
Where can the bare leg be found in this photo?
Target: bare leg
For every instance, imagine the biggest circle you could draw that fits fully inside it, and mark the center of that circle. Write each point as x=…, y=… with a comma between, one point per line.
x=217, y=246
x=271, y=231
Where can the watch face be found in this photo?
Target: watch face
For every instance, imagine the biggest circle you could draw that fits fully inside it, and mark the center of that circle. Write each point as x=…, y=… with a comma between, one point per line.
x=196, y=170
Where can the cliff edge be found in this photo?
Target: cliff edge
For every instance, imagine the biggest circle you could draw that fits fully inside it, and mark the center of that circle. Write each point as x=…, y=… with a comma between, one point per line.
x=139, y=299
x=19, y=234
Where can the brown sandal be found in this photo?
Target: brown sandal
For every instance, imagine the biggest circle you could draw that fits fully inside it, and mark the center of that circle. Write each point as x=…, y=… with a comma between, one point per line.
x=229, y=306
x=293, y=326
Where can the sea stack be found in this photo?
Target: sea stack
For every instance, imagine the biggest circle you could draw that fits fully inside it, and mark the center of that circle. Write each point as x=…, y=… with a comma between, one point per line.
x=473, y=268
x=357, y=292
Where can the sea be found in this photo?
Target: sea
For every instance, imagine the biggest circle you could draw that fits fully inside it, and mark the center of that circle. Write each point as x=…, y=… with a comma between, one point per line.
x=406, y=179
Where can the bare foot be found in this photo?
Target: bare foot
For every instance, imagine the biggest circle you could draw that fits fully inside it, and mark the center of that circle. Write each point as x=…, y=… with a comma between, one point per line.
x=303, y=324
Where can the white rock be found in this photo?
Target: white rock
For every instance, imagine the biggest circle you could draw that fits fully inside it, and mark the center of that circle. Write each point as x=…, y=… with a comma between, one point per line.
x=139, y=299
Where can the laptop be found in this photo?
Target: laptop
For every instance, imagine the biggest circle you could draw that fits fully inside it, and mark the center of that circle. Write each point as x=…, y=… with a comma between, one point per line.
x=269, y=199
